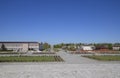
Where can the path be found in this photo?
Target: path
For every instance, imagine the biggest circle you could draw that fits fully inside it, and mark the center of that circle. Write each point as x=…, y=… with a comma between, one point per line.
x=77, y=59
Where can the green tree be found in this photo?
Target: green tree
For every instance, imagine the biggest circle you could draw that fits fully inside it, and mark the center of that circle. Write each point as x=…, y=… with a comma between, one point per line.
x=59, y=45
x=110, y=46
x=46, y=45
x=3, y=48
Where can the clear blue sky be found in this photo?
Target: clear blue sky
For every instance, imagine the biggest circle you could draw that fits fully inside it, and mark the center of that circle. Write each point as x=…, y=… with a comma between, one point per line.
x=56, y=21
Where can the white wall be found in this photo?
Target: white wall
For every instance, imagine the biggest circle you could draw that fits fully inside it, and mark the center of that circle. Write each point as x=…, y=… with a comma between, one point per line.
x=87, y=47
x=21, y=46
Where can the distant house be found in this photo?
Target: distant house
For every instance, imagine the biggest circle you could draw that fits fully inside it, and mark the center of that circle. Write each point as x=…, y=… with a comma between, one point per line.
x=87, y=48
x=116, y=47
x=20, y=46
x=102, y=48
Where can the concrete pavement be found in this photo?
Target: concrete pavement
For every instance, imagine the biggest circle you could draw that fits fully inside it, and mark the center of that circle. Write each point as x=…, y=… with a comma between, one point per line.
x=78, y=59
x=32, y=70
x=74, y=66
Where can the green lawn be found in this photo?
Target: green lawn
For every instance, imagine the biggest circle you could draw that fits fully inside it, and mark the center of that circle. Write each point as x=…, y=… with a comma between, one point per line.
x=30, y=59
x=105, y=58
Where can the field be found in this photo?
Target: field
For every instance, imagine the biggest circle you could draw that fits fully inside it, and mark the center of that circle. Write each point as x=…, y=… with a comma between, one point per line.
x=105, y=58
x=30, y=59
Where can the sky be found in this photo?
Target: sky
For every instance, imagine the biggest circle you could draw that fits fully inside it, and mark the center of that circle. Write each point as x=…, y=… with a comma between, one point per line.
x=57, y=21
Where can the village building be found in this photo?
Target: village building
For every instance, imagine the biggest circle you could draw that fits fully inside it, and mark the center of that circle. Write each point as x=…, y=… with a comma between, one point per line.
x=87, y=48
x=116, y=47
x=20, y=46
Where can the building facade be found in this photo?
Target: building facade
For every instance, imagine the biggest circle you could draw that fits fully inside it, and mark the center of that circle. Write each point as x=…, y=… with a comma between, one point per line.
x=116, y=47
x=21, y=46
x=87, y=47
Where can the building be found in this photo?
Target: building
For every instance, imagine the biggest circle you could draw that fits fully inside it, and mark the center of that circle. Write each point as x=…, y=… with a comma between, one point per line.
x=87, y=48
x=116, y=47
x=102, y=48
x=21, y=46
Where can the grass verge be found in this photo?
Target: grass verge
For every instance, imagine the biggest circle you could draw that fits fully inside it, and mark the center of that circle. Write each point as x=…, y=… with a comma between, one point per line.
x=105, y=58
x=30, y=59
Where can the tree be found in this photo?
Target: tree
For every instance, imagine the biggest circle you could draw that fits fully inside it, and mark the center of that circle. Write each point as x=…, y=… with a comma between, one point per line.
x=59, y=45
x=110, y=46
x=3, y=48
x=46, y=45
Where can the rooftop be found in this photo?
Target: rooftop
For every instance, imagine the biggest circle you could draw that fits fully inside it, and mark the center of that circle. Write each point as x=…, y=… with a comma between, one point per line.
x=18, y=42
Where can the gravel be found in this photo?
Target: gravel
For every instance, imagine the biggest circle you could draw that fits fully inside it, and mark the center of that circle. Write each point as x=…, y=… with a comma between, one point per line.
x=38, y=70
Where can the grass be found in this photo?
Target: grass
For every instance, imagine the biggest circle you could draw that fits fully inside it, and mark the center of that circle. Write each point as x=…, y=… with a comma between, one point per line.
x=30, y=59
x=105, y=58
x=44, y=53
x=55, y=49
x=6, y=51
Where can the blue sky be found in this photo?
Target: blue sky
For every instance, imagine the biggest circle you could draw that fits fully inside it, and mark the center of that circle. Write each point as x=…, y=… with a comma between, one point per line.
x=56, y=21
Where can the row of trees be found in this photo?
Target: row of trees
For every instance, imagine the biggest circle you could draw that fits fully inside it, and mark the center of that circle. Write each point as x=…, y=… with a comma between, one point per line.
x=75, y=46
x=67, y=46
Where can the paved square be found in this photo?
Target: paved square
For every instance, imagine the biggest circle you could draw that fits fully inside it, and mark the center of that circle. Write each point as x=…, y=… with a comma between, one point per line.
x=74, y=66
x=40, y=70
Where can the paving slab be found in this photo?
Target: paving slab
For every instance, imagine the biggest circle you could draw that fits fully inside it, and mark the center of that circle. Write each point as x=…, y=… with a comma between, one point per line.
x=39, y=70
